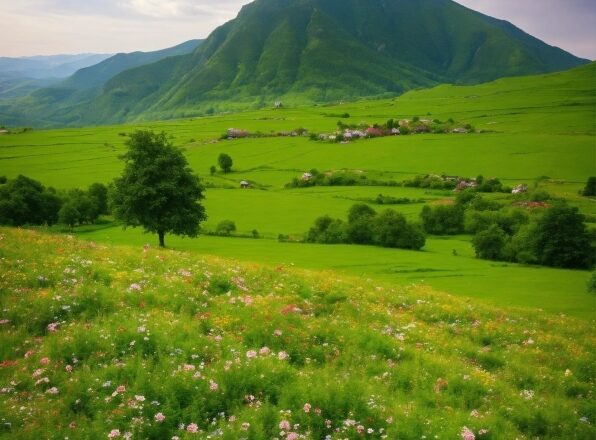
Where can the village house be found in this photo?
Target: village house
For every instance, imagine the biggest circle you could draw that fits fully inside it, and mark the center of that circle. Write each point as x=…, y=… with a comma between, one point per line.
x=244, y=184
x=306, y=176
x=278, y=104
x=520, y=189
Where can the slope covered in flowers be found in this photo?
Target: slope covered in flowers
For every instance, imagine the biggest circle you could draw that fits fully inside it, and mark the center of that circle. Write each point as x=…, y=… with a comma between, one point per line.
x=120, y=342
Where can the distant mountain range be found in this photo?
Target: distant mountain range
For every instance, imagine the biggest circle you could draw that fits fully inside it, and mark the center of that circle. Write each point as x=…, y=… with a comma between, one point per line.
x=299, y=51
x=45, y=67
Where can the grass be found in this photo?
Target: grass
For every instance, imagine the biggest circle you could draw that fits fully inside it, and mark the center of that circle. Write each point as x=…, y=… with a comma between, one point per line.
x=98, y=338
x=534, y=127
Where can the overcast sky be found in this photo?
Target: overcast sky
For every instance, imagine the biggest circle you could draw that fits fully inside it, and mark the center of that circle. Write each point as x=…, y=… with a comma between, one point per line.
x=45, y=27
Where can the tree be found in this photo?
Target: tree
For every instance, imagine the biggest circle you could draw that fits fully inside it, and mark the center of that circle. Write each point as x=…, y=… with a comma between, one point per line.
x=24, y=201
x=490, y=243
x=69, y=215
x=99, y=195
x=561, y=238
x=212, y=170
x=225, y=162
x=157, y=189
x=443, y=219
x=359, y=229
x=590, y=189
x=390, y=229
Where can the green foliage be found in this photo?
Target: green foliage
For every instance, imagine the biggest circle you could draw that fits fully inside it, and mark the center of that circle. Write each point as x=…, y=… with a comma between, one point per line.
x=590, y=188
x=443, y=219
x=157, y=189
x=99, y=193
x=225, y=162
x=490, y=243
x=561, y=238
x=390, y=229
x=69, y=214
x=327, y=230
x=225, y=227
x=24, y=201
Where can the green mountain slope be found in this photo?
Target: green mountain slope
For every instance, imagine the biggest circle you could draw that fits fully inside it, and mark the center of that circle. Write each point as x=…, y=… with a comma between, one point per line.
x=306, y=51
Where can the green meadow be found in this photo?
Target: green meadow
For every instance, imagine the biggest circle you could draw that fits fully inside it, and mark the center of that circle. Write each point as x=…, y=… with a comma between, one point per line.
x=536, y=130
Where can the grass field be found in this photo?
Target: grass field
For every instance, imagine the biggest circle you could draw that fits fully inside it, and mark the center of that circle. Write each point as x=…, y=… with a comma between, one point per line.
x=534, y=127
x=104, y=341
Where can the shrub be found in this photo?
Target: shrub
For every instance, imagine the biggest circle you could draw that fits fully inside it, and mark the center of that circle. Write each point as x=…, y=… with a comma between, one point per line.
x=24, y=201
x=490, y=243
x=225, y=162
x=225, y=227
x=590, y=188
x=443, y=220
x=390, y=229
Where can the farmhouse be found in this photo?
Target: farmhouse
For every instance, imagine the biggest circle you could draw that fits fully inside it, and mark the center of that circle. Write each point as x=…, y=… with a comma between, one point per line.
x=234, y=133
x=306, y=176
x=244, y=184
x=520, y=189
x=3, y=131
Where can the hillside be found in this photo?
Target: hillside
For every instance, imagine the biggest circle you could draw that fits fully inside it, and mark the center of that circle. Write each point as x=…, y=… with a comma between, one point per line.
x=99, y=341
x=45, y=104
x=312, y=51
x=537, y=130
x=45, y=67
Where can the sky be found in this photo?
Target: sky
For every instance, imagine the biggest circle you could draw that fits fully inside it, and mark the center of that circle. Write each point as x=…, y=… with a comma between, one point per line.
x=47, y=27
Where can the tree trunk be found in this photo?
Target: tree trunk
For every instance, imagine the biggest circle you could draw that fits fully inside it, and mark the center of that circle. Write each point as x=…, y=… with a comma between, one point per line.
x=161, y=238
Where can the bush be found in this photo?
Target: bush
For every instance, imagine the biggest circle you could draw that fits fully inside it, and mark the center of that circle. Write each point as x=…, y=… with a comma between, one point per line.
x=590, y=189
x=490, y=243
x=225, y=227
x=443, y=220
x=390, y=229
x=24, y=201
x=328, y=231
x=225, y=162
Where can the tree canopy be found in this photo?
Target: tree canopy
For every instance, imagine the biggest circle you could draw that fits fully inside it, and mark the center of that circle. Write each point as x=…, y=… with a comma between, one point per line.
x=157, y=189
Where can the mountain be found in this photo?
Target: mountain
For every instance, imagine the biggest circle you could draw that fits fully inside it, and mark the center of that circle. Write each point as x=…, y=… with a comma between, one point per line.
x=63, y=102
x=44, y=67
x=99, y=74
x=305, y=51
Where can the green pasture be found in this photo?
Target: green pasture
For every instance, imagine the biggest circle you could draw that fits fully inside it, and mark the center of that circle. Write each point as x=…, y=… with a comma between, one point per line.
x=539, y=130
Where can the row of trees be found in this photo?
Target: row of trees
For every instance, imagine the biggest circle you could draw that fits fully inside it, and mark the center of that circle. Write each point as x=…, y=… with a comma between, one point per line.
x=388, y=229
x=24, y=201
x=551, y=235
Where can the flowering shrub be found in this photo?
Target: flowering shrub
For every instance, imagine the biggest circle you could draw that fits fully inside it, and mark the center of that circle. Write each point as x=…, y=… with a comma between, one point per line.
x=280, y=354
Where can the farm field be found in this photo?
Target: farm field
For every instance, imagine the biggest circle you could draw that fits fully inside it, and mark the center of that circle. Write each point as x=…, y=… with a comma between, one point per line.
x=536, y=130
x=101, y=341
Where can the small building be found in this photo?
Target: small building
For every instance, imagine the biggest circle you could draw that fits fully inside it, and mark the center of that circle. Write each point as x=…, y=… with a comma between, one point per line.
x=244, y=184
x=4, y=132
x=234, y=133
x=278, y=104
x=460, y=130
x=306, y=176
x=520, y=189
x=395, y=131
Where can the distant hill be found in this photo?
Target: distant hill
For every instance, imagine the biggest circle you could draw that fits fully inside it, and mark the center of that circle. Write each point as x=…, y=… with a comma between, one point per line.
x=97, y=75
x=44, y=67
x=311, y=51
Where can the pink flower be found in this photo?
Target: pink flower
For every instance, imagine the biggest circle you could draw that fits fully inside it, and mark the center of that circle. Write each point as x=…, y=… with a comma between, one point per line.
x=188, y=367
x=52, y=390
x=360, y=429
x=466, y=434
x=284, y=425
x=282, y=355
x=121, y=389
x=277, y=333
x=68, y=368
x=264, y=351
x=114, y=433
x=213, y=386
x=44, y=361
x=192, y=428
x=53, y=327
x=159, y=417
x=251, y=354
x=306, y=407
x=292, y=436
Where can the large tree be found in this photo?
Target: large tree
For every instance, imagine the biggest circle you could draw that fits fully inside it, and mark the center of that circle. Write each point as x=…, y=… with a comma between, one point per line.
x=157, y=189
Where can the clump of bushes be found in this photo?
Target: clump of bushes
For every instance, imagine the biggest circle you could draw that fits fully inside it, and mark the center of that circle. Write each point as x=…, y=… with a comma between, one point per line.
x=388, y=229
x=337, y=178
x=24, y=201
